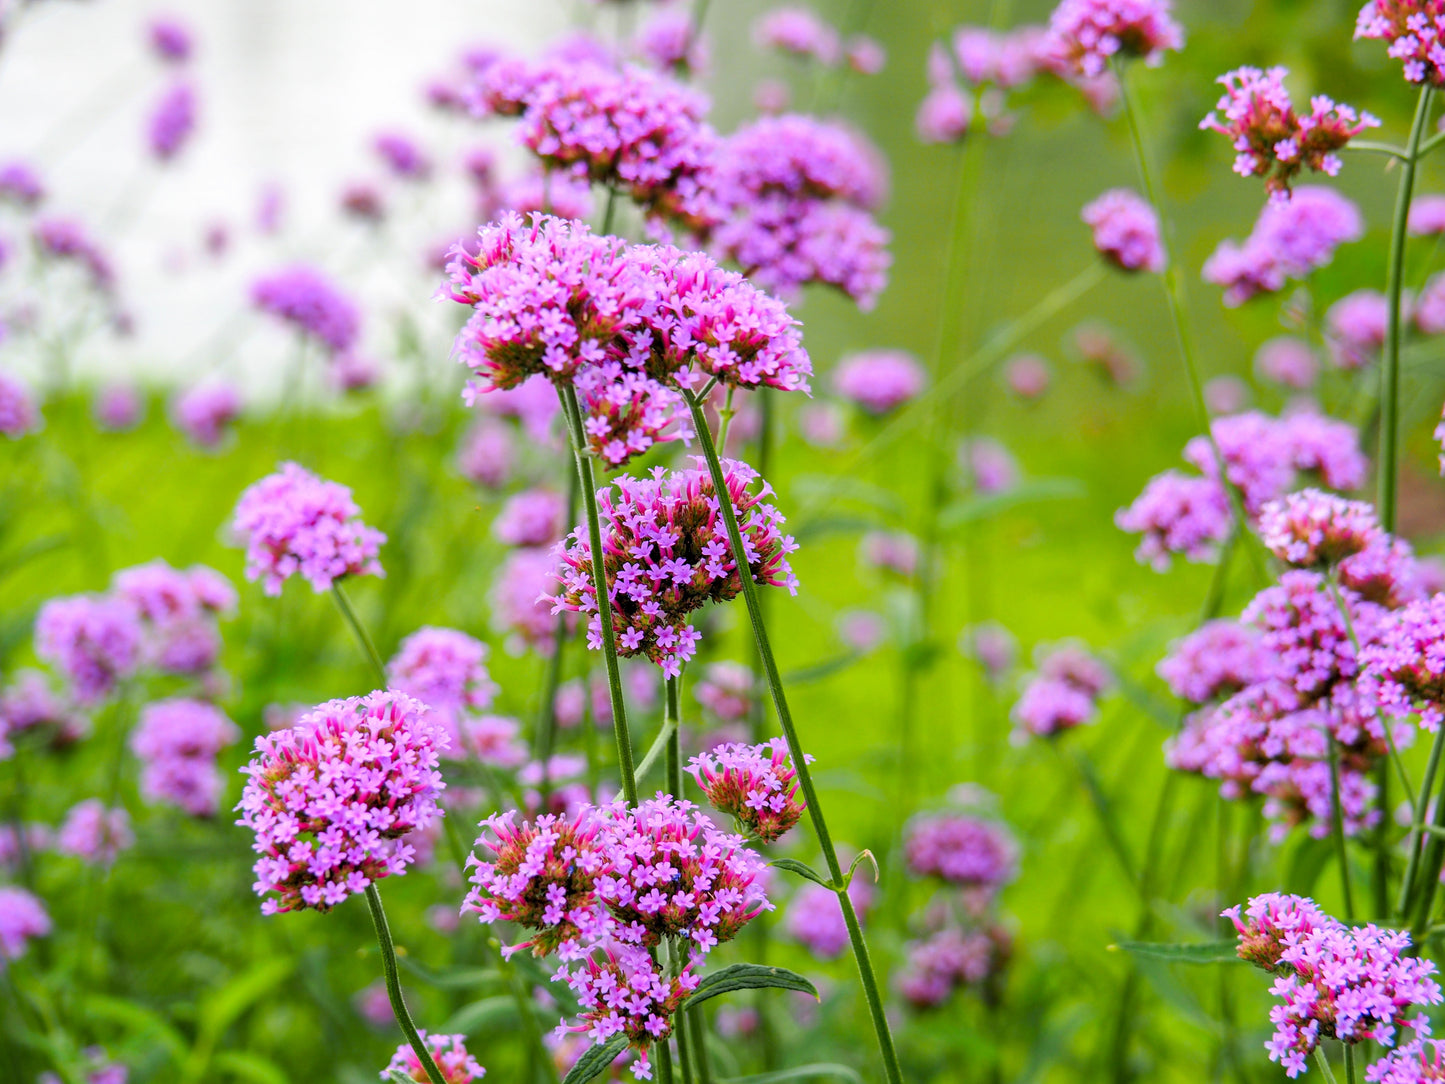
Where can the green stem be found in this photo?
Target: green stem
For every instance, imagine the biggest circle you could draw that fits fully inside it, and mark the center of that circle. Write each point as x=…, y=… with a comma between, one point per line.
x=338, y=593
x=725, y=419
x=672, y=719
x=664, y=1062
x=1430, y=862
x=546, y=737
x=795, y=747
x=699, y=1046
x=1422, y=802
x=1174, y=291
x=684, y=1048
x=1349, y=1063
x=587, y=481
x=1394, y=286
x=1337, y=829
x=610, y=211
x=1365, y=146
x=1324, y=1065
x=393, y=986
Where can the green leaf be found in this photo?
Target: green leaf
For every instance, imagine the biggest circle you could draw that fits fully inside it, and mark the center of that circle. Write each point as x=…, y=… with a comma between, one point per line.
x=801, y=1072
x=396, y=1076
x=138, y=1022
x=654, y=753
x=221, y=1008
x=452, y=978
x=802, y=869
x=596, y=1060
x=471, y=1018
x=864, y=855
x=821, y=490
x=820, y=670
x=251, y=1067
x=748, y=977
x=1039, y=489
x=1194, y=952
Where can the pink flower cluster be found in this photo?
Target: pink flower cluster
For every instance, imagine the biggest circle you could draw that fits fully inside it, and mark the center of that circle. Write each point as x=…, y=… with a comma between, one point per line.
x=1417, y=1062
x=881, y=380
x=296, y=523
x=93, y=833
x=94, y=640
x=178, y=741
x=1403, y=665
x=726, y=689
x=968, y=852
x=1062, y=695
x=1177, y=514
x=447, y=671
x=1290, y=239
x=520, y=606
x=799, y=32
x=1126, y=231
x=332, y=798
x=1415, y=30
x=177, y=613
x=18, y=413
x=172, y=121
x=204, y=412
x=666, y=554
x=22, y=919
x=1334, y=982
x=448, y=1051
x=1086, y=35
x=952, y=957
x=1355, y=328
x=794, y=198
x=756, y=785
x=1310, y=529
x=309, y=301
x=1272, y=140
x=1215, y=661
x=534, y=517
x=815, y=916
x=29, y=706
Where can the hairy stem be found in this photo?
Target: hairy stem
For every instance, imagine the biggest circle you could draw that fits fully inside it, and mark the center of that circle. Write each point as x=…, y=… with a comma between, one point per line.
x=363, y=638
x=546, y=736
x=672, y=719
x=785, y=719
x=587, y=481
x=393, y=986
x=1337, y=830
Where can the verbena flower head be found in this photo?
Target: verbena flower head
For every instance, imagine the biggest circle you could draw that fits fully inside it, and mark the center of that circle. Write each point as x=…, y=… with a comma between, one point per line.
x=1290, y=239
x=117, y=408
x=1288, y=362
x=521, y=602
x=944, y=115
x=62, y=239
x=670, y=42
x=1126, y=230
x=542, y=876
x=29, y=706
x=950, y=958
x=178, y=741
x=1415, y=31
x=621, y=990
x=1085, y=35
x=95, y=834
x=402, y=156
x=22, y=919
x=487, y=454
x=989, y=467
x=1333, y=981
x=726, y=689
x=1063, y=694
x=815, y=920
x=20, y=184
x=1215, y=661
x=205, y=411
x=977, y=855
x=93, y=640
x=1403, y=664
x=881, y=380
x=671, y=874
x=756, y=785
x=1418, y=1062
x=172, y=121
x=170, y=40
x=178, y=613
x=447, y=671
x=18, y=413
x=1355, y=328
x=534, y=517
x=309, y=301
x=1272, y=140
x=448, y=1051
x=331, y=798
x=800, y=32
x=992, y=646
x=1311, y=529
x=1177, y=514
x=1427, y=215
x=296, y=523
x=666, y=554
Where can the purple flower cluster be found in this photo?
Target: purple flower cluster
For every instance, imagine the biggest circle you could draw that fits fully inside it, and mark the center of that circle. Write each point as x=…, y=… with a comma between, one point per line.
x=952, y=957
x=799, y=32
x=1290, y=239
x=296, y=523
x=794, y=200
x=1334, y=982
x=117, y=408
x=170, y=40
x=1126, y=231
x=205, y=411
x=666, y=554
x=448, y=1051
x=447, y=671
x=311, y=303
x=815, y=916
x=177, y=613
x=1417, y=1062
x=726, y=689
x=172, y=121
x=22, y=919
x=1287, y=361
x=178, y=741
x=332, y=798
x=1272, y=140
x=1086, y=35
x=1177, y=514
x=28, y=706
x=1310, y=529
x=1214, y=662
x=18, y=413
x=95, y=641
x=879, y=381
x=534, y=517
x=520, y=600
x=64, y=240
x=1415, y=30
x=756, y=785
x=1403, y=665
x=95, y=834
x=1063, y=694
x=401, y=155
x=968, y=852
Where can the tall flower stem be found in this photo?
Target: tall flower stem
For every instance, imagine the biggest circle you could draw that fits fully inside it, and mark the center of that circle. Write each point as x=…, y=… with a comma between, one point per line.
x=587, y=481
x=1337, y=830
x=672, y=717
x=546, y=736
x=393, y=986
x=1174, y=291
x=363, y=638
x=839, y=884
x=1417, y=821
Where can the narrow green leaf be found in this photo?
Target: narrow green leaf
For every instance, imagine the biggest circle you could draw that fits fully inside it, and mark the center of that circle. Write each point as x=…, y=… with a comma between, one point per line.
x=222, y=1008
x=454, y=978
x=137, y=1022
x=1039, y=489
x=802, y=869
x=471, y=1018
x=819, y=670
x=864, y=855
x=748, y=977
x=1194, y=952
x=249, y=1067
x=597, y=1058
x=654, y=753
x=801, y=1072
x=396, y=1076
